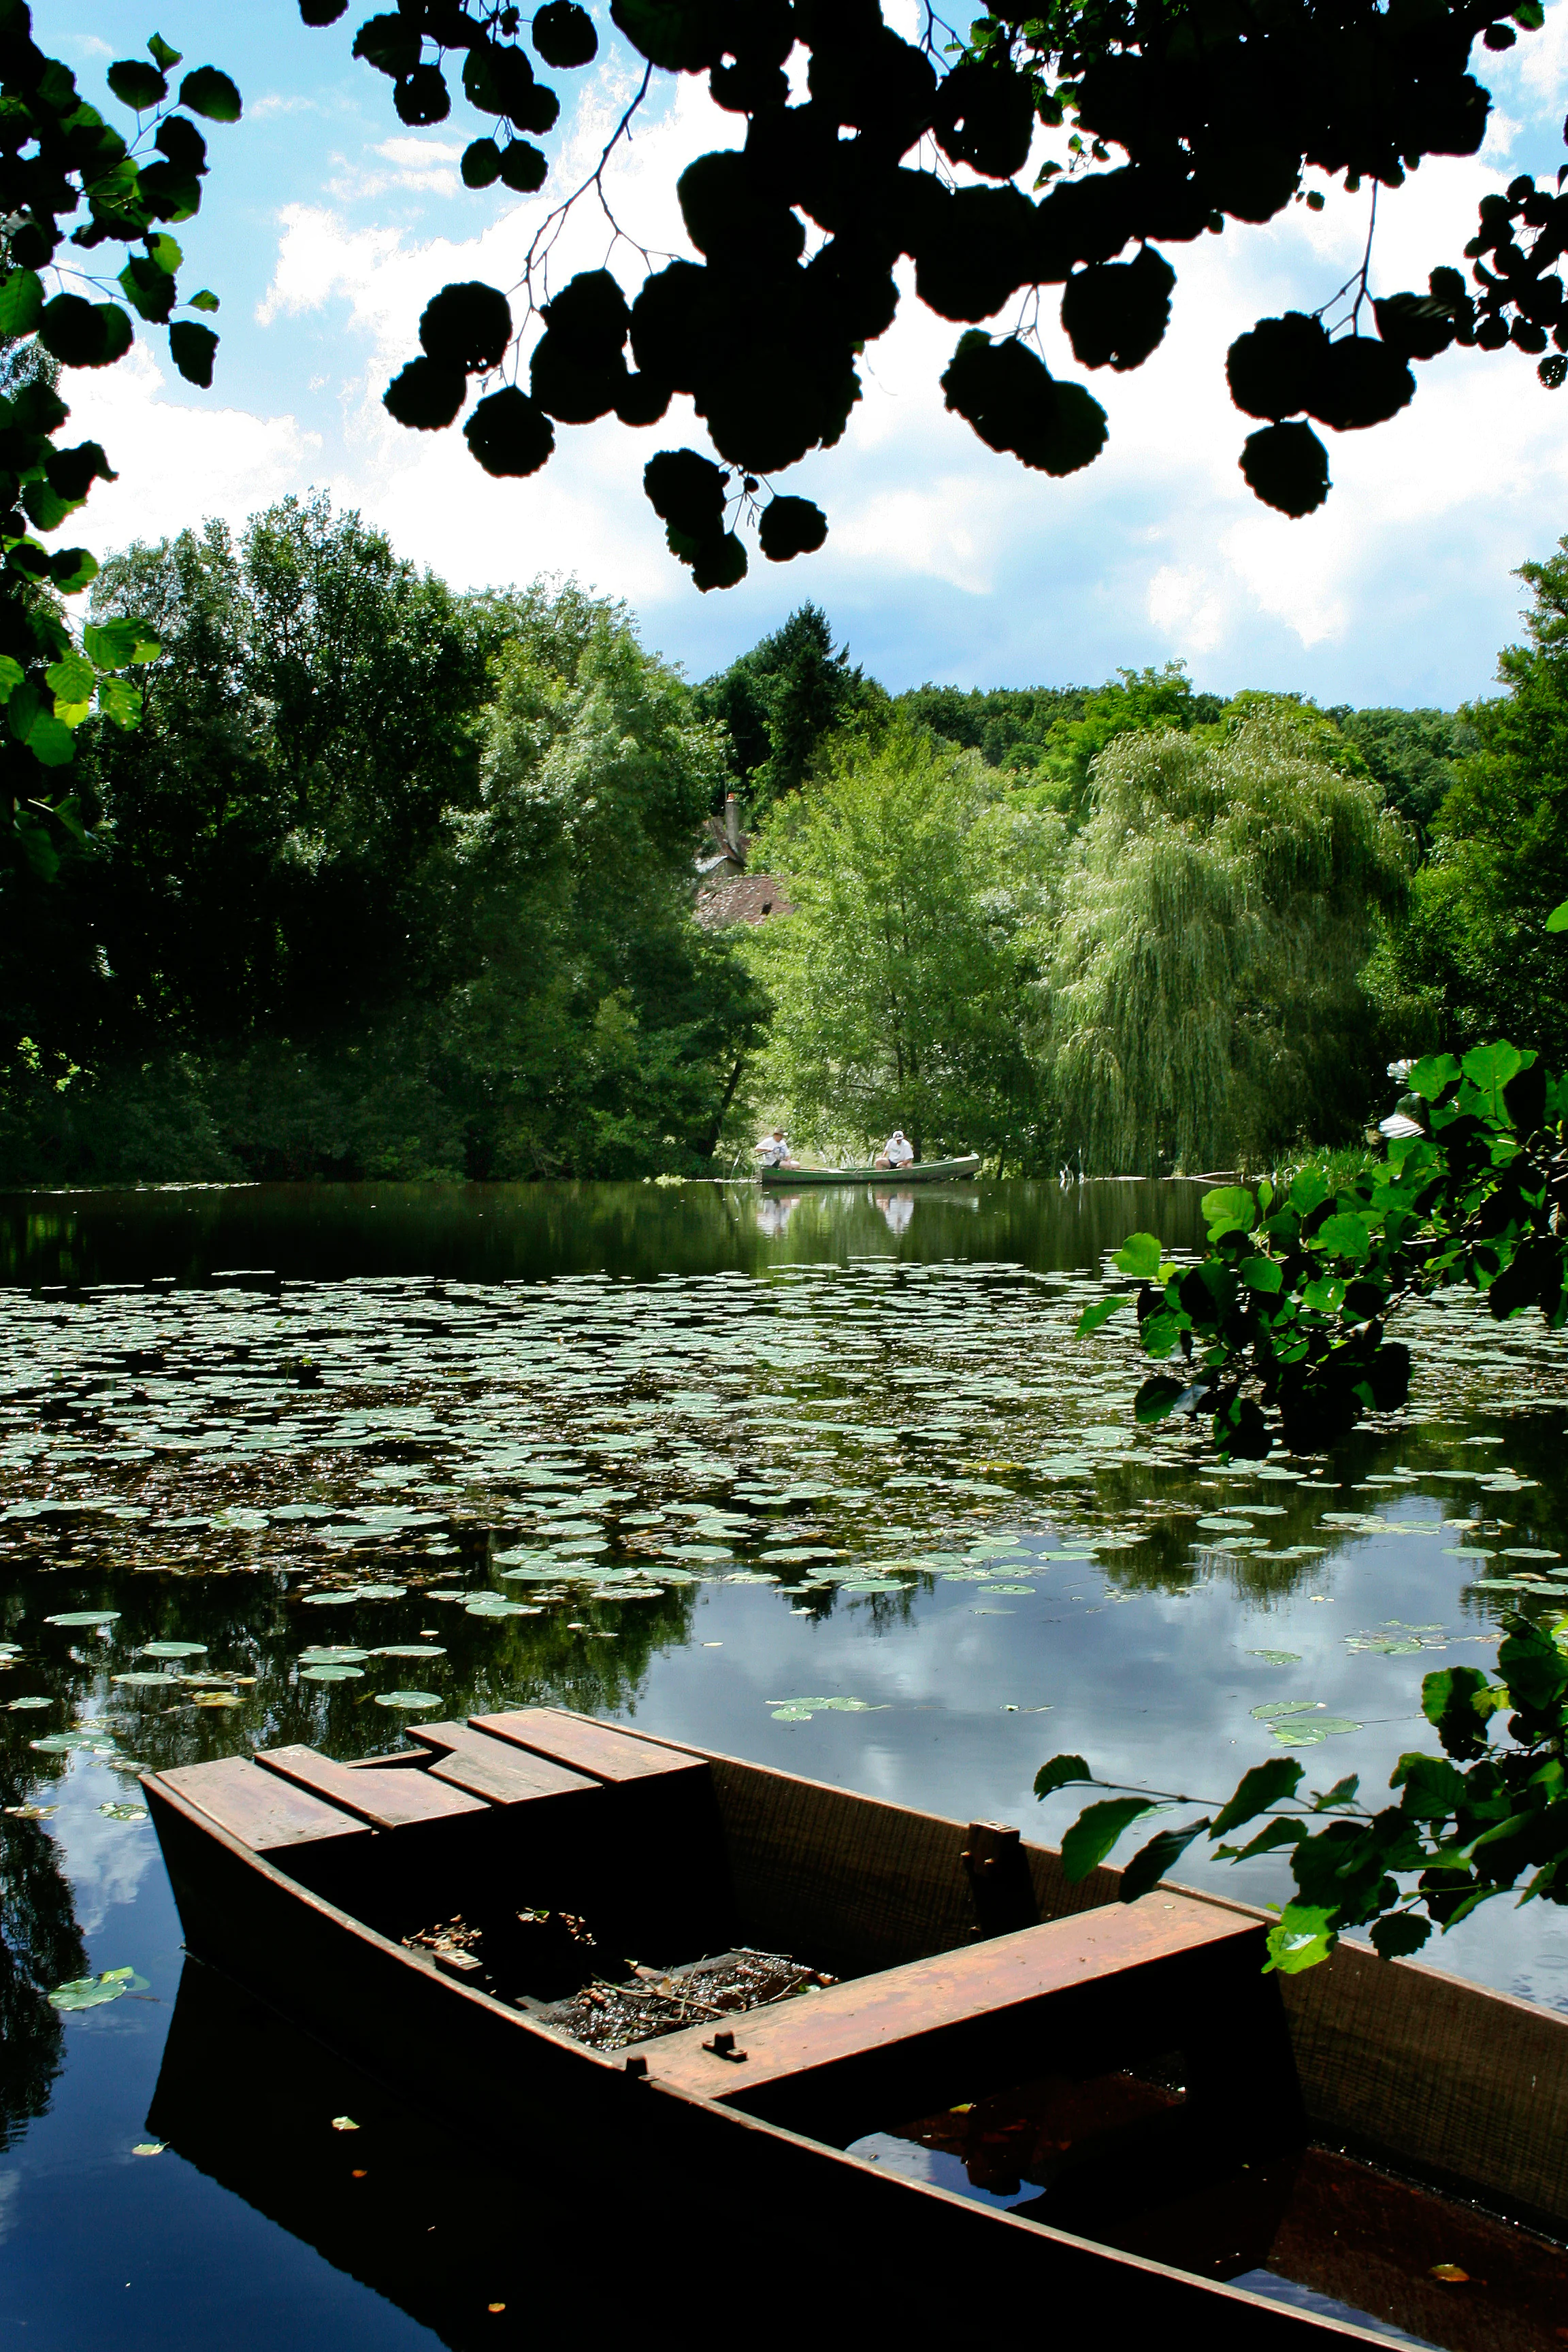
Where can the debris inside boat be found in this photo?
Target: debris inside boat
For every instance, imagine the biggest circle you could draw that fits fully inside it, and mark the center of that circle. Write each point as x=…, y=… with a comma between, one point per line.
x=600, y=2012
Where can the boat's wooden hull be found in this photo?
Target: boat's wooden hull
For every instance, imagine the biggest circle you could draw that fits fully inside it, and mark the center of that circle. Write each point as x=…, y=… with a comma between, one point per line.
x=920, y=1171
x=1437, y=2076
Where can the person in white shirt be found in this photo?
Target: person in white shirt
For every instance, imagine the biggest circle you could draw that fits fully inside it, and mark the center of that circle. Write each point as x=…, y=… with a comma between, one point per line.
x=775, y=1152
x=897, y=1152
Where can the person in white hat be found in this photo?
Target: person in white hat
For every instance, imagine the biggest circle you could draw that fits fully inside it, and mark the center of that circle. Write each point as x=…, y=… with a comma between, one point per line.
x=897, y=1152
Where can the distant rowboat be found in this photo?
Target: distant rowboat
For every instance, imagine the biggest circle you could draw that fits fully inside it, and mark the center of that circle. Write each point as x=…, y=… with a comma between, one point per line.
x=919, y=1172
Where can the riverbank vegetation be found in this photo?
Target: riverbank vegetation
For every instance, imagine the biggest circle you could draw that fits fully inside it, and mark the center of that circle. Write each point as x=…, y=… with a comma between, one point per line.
x=396, y=882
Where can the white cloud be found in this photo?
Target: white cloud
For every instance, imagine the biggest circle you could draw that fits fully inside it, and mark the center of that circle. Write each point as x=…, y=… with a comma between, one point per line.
x=178, y=460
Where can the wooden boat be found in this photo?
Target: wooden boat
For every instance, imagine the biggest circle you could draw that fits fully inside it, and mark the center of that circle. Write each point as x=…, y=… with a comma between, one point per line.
x=1156, y=2117
x=919, y=1172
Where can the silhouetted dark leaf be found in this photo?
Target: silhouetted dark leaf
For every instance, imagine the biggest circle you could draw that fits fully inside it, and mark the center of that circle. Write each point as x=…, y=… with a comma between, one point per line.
x=986, y=117
x=509, y=434
x=480, y=166
x=191, y=349
x=137, y=84
x=524, y=168
x=1116, y=313
x=1361, y=382
x=563, y=33
x=1275, y=369
x=686, y=491
x=207, y=91
x=1013, y=402
x=791, y=527
x=422, y=97
x=590, y=317
x=1288, y=466
x=425, y=394
x=466, y=326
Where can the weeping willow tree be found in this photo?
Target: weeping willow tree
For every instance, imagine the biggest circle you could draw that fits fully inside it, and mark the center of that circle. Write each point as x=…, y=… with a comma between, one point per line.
x=907, y=983
x=1207, y=1006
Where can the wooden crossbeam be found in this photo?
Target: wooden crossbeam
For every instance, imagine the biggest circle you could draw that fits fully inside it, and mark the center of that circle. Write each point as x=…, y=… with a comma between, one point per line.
x=387, y=1800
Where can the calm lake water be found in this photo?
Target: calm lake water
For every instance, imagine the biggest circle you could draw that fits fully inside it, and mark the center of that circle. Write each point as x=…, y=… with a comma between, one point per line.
x=829, y=1484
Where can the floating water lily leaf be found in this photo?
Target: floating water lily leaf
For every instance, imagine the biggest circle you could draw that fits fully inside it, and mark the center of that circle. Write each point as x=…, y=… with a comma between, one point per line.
x=19, y=1705
x=85, y=1617
x=331, y=1674
x=409, y=1650
x=1277, y=1657
x=334, y=1655
x=143, y=1682
x=409, y=1699
x=93, y=1992
x=173, y=1650
x=124, y=1812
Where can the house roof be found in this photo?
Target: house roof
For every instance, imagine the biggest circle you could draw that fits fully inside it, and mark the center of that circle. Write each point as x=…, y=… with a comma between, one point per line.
x=749, y=898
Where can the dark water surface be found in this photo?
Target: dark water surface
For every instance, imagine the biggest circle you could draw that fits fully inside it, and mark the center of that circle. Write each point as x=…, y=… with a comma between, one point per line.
x=830, y=1485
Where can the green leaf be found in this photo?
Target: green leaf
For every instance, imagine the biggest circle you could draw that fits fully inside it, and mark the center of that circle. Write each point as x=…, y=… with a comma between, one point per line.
x=1489, y=1069
x=191, y=347
x=1261, y=1274
x=1138, y=1254
x=1309, y=1190
x=111, y=643
x=72, y=569
x=1257, y=1790
x=11, y=677
x=207, y=91
x=1061, y=1773
x=49, y=741
x=1303, y=1935
x=137, y=84
x=1096, y=1830
x=1231, y=1208
x=1093, y=1316
x=162, y=54
x=21, y=302
x=1268, y=1840
x=71, y=679
x=1531, y=14
x=1433, y=1074
x=1398, y=1934
x=1346, y=1235
x=1152, y=1862
x=1344, y=1792
x=121, y=701
x=206, y=301
x=1155, y=1398
x=1433, y=1789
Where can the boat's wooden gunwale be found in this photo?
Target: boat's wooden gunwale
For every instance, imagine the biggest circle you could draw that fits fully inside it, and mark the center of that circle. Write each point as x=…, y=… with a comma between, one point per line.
x=1453, y=2083
x=1409, y=2064
x=920, y=1171
x=758, y=2175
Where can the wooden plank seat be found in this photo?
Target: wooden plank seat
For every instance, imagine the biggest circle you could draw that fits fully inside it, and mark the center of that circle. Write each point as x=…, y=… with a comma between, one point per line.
x=495, y=1769
x=909, y=2039
x=601, y=1751
x=262, y=1811
x=386, y=1798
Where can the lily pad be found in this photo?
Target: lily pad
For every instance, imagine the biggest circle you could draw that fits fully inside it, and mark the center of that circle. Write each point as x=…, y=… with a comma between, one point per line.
x=409, y=1700
x=410, y=1650
x=85, y=1617
x=1277, y=1657
x=21, y=1705
x=331, y=1674
x=124, y=1812
x=93, y=1992
x=173, y=1650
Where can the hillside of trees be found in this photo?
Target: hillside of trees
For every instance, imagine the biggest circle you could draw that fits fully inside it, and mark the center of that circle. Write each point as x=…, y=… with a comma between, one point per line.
x=396, y=882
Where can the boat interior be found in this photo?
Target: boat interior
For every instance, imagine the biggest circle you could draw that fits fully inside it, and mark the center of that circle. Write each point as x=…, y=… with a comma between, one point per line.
x=937, y=2001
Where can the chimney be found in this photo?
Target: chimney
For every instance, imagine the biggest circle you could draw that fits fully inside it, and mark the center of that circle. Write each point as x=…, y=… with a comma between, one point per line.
x=732, y=828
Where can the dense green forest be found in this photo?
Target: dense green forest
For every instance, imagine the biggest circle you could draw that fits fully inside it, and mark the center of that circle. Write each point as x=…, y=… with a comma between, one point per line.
x=396, y=882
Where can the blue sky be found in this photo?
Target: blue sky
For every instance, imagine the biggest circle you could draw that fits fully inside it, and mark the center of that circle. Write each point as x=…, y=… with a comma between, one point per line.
x=327, y=225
